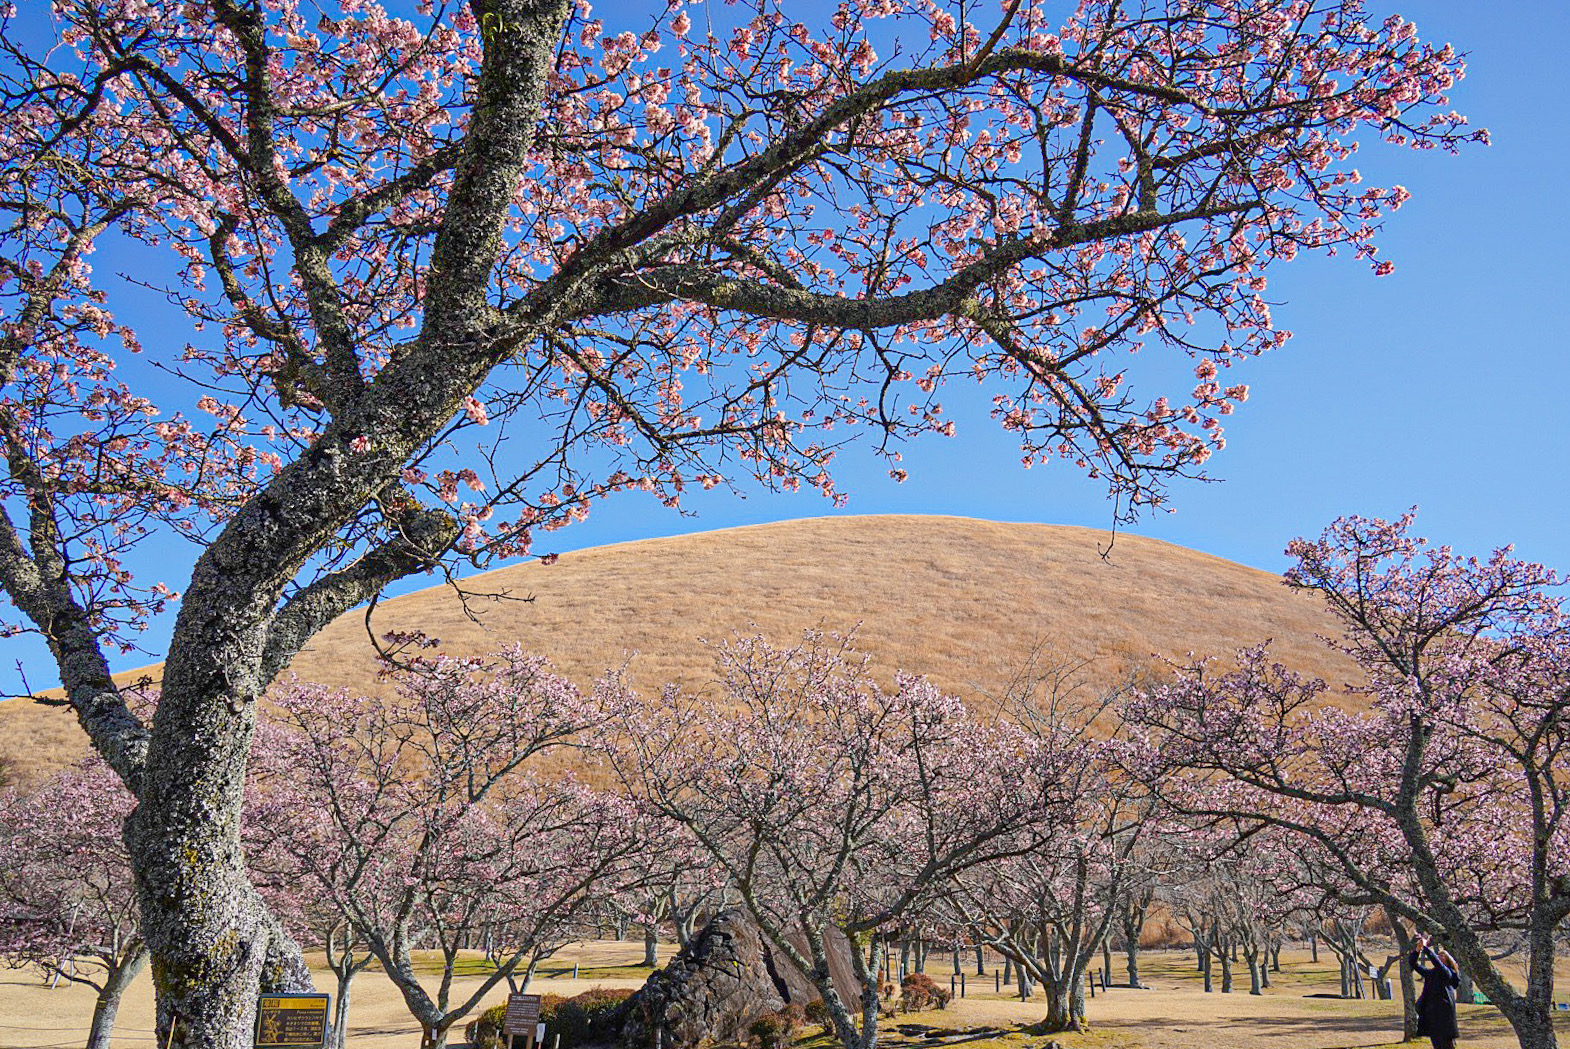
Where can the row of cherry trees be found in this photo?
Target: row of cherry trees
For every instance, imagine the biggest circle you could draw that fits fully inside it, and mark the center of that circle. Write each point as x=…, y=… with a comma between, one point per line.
x=491, y=802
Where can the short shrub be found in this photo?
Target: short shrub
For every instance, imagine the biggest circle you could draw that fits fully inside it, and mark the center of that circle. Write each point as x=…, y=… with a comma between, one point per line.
x=777, y=1030
x=485, y=1030
x=583, y=1018
x=918, y=993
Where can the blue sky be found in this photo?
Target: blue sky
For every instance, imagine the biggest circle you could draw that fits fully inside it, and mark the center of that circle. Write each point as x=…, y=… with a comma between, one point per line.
x=1439, y=385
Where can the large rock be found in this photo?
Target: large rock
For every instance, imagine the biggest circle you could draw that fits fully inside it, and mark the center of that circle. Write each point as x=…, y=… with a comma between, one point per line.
x=724, y=979
x=713, y=990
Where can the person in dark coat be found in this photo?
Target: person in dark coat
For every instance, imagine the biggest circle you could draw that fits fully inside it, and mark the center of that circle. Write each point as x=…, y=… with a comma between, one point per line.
x=1436, y=1006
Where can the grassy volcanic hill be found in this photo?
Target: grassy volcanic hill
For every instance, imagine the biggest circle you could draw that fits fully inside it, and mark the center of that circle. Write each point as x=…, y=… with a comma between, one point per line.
x=961, y=600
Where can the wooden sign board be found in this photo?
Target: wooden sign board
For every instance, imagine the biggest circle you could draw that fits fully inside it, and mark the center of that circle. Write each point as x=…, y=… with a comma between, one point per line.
x=523, y=1012
x=292, y=1020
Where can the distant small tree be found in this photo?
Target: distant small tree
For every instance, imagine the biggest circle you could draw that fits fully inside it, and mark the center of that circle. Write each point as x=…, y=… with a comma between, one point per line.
x=67, y=897
x=1050, y=908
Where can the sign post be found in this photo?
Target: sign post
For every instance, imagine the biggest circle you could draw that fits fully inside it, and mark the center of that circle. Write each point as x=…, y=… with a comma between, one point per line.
x=291, y=1021
x=523, y=1021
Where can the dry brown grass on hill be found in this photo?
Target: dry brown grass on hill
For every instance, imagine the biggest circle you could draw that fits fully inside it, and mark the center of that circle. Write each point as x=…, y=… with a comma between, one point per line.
x=958, y=599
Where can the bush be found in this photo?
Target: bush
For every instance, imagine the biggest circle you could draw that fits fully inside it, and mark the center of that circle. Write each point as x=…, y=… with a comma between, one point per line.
x=776, y=1030
x=579, y=1019
x=485, y=1031
x=583, y=1018
x=918, y=994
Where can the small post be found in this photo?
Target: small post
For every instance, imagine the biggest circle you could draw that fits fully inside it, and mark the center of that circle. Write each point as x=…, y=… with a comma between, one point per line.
x=997, y=982
x=951, y=987
x=962, y=985
x=1090, y=978
x=574, y=970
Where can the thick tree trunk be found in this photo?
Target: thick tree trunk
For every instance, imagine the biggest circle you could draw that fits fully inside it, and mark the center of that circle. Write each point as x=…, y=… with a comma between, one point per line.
x=1132, y=949
x=109, y=996
x=1226, y=970
x=651, y=946
x=1065, y=1003
x=1533, y=1024
x=434, y=1037
x=1255, y=986
x=981, y=961
x=213, y=943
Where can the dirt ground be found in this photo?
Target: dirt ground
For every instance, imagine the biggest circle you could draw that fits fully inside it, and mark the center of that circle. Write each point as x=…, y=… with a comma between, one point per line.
x=1173, y=1013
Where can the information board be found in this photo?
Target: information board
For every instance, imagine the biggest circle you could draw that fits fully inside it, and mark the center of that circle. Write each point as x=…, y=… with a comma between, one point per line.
x=292, y=1020
x=523, y=1012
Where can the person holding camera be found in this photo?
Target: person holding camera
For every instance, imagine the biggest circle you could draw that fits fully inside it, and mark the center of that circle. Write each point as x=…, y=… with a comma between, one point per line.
x=1436, y=1005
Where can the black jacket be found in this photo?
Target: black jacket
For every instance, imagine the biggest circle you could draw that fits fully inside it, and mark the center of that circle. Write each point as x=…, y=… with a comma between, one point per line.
x=1436, y=1006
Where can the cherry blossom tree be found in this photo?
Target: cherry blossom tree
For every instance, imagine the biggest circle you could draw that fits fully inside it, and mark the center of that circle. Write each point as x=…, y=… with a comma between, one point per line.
x=832, y=806
x=421, y=821
x=1050, y=908
x=463, y=269
x=1444, y=800
x=67, y=899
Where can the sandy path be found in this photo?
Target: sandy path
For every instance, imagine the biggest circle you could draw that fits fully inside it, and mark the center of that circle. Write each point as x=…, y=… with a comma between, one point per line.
x=1173, y=1014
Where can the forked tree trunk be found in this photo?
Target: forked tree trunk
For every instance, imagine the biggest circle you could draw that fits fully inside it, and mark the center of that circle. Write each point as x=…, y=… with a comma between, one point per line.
x=434, y=1037
x=1065, y=1006
x=108, y=1001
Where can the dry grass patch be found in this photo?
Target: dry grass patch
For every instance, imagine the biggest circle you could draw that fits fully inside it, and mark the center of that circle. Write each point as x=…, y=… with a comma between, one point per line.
x=1174, y=1014
x=960, y=600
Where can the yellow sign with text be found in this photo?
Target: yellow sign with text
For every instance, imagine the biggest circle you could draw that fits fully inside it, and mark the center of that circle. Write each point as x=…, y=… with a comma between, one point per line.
x=291, y=1020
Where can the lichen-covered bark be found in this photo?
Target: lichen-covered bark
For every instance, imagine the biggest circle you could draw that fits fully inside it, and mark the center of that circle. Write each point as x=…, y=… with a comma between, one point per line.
x=213, y=942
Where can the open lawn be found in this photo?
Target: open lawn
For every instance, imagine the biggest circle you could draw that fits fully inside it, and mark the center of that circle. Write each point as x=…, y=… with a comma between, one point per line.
x=1173, y=1013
